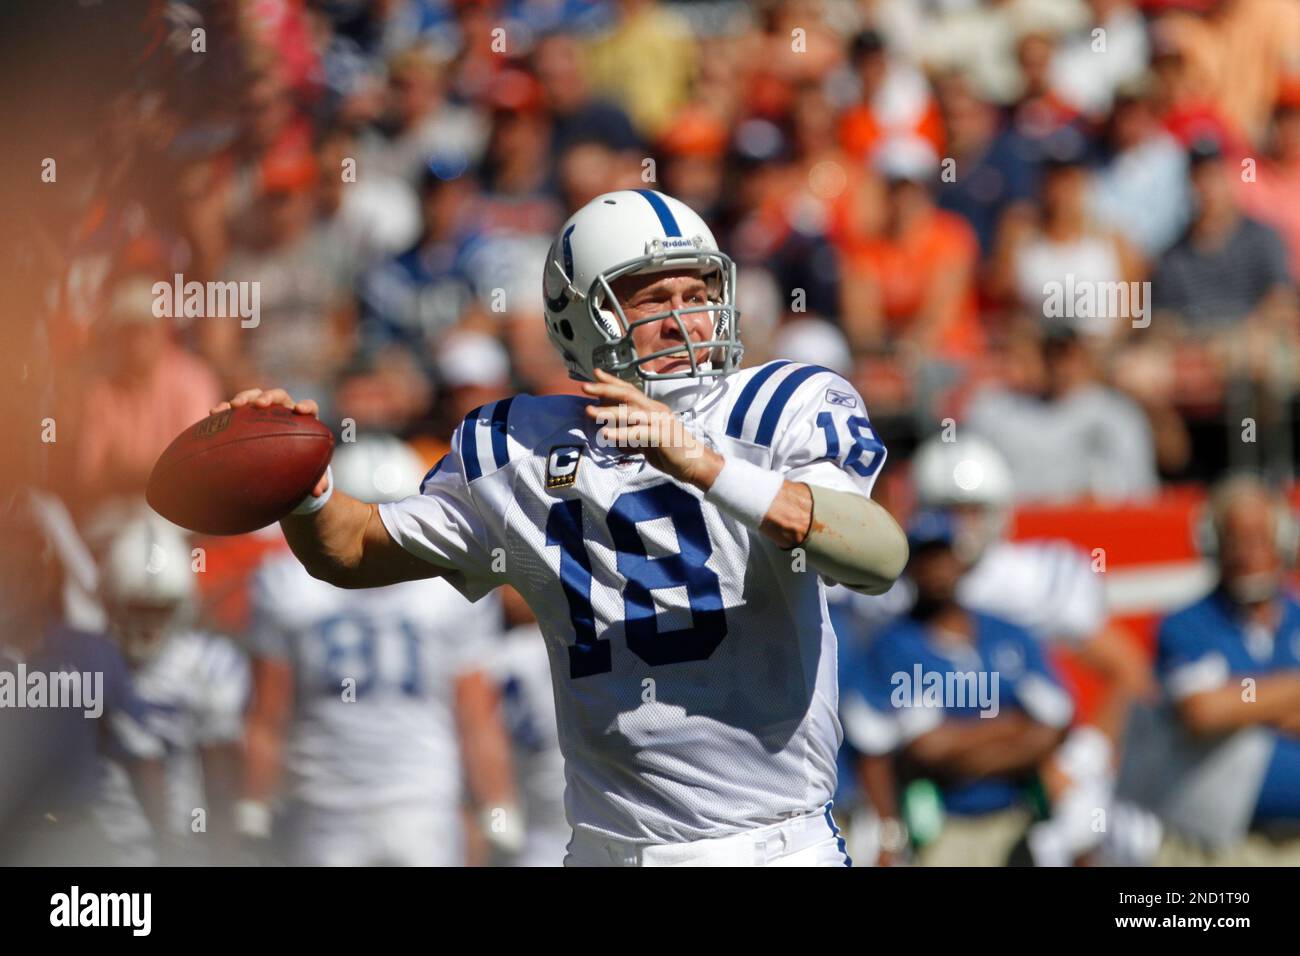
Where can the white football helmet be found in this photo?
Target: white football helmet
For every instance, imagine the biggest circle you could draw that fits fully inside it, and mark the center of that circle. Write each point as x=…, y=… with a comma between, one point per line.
x=969, y=475
x=147, y=584
x=620, y=233
x=377, y=468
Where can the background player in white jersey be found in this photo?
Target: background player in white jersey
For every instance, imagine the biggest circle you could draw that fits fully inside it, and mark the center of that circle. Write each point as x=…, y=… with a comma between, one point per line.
x=693, y=660
x=1047, y=587
x=192, y=686
x=522, y=672
x=376, y=704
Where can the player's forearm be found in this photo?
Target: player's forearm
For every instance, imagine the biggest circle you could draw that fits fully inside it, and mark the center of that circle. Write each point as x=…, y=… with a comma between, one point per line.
x=149, y=783
x=261, y=761
x=853, y=540
x=1225, y=709
x=1020, y=752
x=965, y=748
x=331, y=542
x=221, y=773
x=847, y=537
x=879, y=784
x=485, y=745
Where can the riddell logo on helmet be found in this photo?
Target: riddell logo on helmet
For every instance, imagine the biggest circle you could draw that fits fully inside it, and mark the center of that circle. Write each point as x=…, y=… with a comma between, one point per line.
x=670, y=244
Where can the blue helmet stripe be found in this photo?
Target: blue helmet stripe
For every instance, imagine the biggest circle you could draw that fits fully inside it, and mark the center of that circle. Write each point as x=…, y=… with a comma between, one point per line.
x=666, y=217
x=736, y=423
x=780, y=398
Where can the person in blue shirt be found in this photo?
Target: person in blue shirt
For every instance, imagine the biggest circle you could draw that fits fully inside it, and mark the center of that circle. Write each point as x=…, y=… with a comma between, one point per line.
x=1231, y=661
x=974, y=705
x=413, y=299
x=53, y=755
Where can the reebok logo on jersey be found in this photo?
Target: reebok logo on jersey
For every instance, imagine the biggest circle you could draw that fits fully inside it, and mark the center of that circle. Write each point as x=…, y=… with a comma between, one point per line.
x=562, y=466
x=835, y=397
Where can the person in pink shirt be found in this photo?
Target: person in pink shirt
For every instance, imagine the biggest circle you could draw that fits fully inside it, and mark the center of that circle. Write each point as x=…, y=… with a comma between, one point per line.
x=1273, y=196
x=147, y=391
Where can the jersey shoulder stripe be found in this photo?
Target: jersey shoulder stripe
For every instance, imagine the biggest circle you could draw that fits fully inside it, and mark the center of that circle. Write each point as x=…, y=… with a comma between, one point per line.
x=483, y=445
x=764, y=399
x=499, y=433
x=781, y=398
x=736, y=421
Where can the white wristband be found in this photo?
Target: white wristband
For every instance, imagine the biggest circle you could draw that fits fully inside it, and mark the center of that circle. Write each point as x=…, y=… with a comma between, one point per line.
x=311, y=504
x=745, y=491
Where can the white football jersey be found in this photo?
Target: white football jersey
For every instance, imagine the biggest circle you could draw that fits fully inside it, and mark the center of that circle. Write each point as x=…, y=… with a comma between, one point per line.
x=374, y=672
x=1047, y=587
x=693, y=661
x=194, y=693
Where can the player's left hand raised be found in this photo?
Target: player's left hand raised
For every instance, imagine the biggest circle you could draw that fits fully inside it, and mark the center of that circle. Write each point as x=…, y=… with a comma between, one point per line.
x=634, y=421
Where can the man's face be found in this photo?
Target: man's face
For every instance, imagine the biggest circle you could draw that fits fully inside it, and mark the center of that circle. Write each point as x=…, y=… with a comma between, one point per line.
x=936, y=571
x=141, y=629
x=646, y=295
x=1249, y=562
x=1211, y=186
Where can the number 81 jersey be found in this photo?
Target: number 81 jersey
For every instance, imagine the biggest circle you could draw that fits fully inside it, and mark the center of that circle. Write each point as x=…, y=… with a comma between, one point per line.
x=693, y=660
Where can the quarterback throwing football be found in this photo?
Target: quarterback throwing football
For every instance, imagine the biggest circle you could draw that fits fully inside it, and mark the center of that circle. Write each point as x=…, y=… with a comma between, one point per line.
x=670, y=531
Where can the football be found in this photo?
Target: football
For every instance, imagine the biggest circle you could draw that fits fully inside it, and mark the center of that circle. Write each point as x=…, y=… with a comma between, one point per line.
x=239, y=470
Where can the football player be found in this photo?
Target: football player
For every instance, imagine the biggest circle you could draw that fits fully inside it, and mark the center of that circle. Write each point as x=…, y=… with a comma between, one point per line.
x=670, y=528
x=376, y=701
x=192, y=685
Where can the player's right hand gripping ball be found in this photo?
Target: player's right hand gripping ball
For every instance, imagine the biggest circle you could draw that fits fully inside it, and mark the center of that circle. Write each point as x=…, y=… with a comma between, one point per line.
x=240, y=469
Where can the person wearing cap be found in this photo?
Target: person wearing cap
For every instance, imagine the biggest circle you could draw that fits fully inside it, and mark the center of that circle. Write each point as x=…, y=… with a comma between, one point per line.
x=411, y=299
x=692, y=154
x=1228, y=268
x=1226, y=287
x=148, y=390
x=965, y=701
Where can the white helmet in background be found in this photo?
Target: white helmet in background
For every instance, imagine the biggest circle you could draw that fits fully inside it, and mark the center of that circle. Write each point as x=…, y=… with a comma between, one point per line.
x=377, y=468
x=968, y=475
x=147, y=584
x=634, y=231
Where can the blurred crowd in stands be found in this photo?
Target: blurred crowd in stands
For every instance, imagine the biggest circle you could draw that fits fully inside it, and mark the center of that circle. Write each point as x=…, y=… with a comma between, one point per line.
x=1075, y=225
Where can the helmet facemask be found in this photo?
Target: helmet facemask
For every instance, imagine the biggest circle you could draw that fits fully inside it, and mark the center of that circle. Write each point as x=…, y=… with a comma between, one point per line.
x=619, y=356
x=143, y=628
